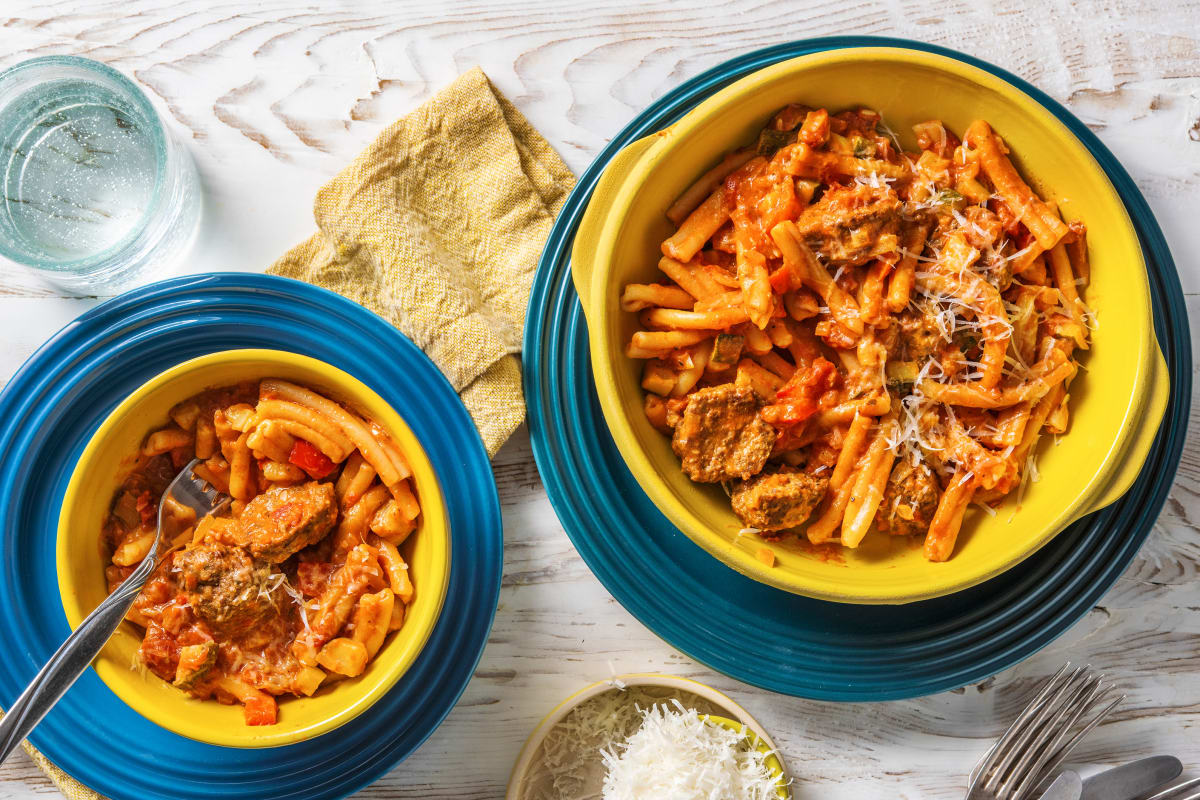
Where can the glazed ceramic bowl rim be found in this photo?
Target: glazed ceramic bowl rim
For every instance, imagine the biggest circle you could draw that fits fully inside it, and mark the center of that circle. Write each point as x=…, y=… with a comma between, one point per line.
x=605, y=353
x=733, y=710
x=371, y=687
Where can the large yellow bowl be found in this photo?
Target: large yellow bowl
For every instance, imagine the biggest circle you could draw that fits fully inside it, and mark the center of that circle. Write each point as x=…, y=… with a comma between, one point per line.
x=105, y=463
x=1116, y=404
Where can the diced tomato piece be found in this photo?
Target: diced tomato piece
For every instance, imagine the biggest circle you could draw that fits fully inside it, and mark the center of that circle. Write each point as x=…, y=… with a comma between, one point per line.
x=1022, y=238
x=781, y=280
x=261, y=710
x=196, y=633
x=812, y=382
x=789, y=435
x=310, y=459
x=160, y=652
x=815, y=129
x=1009, y=221
x=147, y=509
x=789, y=413
x=157, y=591
x=175, y=616
x=311, y=577
x=797, y=400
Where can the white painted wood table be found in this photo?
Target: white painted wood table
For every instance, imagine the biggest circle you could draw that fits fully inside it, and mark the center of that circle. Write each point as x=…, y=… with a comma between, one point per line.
x=273, y=97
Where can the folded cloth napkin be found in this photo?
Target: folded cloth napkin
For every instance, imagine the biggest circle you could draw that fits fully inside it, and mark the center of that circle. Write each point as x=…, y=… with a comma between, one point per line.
x=437, y=227
x=70, y=788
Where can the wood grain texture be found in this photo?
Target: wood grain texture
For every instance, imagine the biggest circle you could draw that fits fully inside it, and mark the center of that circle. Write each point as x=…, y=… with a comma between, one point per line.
x=272, y=98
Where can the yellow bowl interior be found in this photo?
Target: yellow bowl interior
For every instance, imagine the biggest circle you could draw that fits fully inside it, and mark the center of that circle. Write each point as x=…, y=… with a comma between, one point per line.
x=772, y=760
x=1116, y=403
x=104, y=464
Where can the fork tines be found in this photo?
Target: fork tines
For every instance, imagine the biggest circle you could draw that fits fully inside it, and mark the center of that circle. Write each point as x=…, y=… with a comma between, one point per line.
x=1042, y=737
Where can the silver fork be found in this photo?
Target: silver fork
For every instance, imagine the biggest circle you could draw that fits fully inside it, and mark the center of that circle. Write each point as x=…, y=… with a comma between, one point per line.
x=86, y=642
x=1040, y=739
x=1179, y=791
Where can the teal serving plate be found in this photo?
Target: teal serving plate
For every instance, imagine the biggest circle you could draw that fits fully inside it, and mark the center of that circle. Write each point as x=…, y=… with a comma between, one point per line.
x=771, y=638
x=49, y=411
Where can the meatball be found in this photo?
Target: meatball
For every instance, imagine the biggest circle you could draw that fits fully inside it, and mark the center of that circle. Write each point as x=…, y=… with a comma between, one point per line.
x=909, y=499
x=720, y=435
x=850, y=225
x=778, y=500
x=919, y=335
x=282, y=521
x=223, y=585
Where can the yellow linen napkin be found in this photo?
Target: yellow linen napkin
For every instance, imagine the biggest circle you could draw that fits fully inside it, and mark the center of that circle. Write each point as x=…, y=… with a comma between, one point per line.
x=71, y=788
x=437, y=227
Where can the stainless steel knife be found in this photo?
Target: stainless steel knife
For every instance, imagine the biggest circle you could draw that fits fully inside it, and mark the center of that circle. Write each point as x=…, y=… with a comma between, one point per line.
x=1066, y=786
x=1131, y=780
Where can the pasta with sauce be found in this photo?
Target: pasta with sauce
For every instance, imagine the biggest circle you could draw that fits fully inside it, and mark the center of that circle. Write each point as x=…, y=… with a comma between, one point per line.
x=303, y=581
x=853, y=337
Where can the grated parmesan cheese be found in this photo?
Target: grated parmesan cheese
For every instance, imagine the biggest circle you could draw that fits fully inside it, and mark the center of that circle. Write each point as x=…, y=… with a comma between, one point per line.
x=891, y=134
x=298, y=599
x=568, y=764
x=676, y=754
x=991, y=512
x=1029, y=474
x=910, y=434
x=614, y=680
x=276, y=579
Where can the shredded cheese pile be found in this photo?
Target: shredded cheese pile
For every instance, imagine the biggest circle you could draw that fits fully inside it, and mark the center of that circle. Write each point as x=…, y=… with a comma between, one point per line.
x=568, y=765
x=676, y=754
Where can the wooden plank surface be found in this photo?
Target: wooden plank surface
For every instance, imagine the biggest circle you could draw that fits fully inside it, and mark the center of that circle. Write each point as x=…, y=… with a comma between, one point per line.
x=272, y=98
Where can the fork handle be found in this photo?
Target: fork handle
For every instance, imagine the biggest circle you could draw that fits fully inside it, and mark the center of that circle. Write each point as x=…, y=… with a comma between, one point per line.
x=69, y=661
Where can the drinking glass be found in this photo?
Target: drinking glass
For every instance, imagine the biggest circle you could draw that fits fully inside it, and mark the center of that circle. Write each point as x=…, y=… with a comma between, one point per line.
x=96, y=191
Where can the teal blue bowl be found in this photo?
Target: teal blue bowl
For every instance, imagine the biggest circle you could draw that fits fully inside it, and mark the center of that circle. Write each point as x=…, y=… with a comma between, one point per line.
x=771, y=638
x=48, y=412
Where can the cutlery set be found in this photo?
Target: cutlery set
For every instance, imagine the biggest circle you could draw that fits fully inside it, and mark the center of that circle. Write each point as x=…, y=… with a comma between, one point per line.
x=1128, y=782
x=1068, y=706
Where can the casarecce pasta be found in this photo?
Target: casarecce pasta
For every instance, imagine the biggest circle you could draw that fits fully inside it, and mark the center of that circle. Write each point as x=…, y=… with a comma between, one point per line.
x=852, y=337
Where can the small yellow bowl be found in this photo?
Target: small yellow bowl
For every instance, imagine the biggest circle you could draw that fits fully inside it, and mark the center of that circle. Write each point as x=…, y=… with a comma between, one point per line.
x=772, y=761
x=1116, y=404
x=105, y=463
x=731, y=715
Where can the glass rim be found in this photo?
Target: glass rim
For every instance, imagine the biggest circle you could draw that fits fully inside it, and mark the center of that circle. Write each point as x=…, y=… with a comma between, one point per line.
x=159, y=136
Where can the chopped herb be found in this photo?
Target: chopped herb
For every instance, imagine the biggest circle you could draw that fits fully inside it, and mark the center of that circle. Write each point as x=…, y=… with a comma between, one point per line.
x=770, y=140
x=901, y=376
x=947, y=197
x=808, y=190
x=727, y=348
x=862, y=147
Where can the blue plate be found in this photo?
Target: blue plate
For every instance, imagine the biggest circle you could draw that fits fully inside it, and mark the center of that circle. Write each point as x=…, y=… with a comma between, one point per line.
x=48, y=412
x=770, y=638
